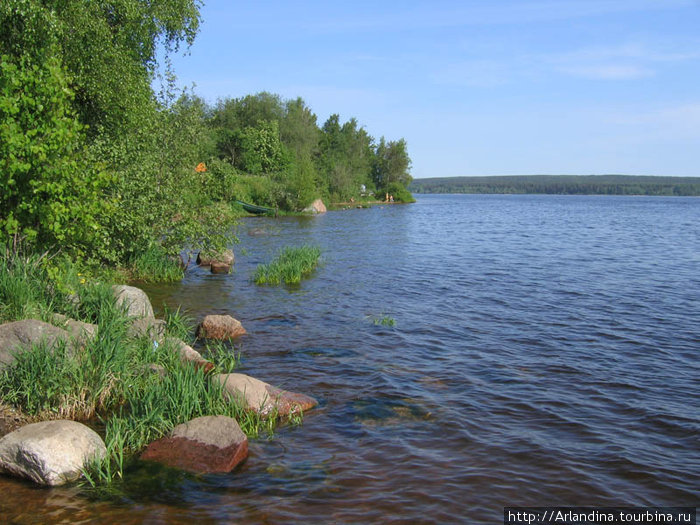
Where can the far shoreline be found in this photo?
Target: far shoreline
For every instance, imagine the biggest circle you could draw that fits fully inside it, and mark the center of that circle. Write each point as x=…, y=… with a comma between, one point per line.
x=639, y=185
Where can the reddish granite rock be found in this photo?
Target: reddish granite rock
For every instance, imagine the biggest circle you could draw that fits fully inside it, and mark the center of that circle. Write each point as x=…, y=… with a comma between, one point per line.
x=204, y=445
x=290, y=402
x=225, y=257
x=220, y=327
x=262, y=397
x=316, y=206
x=220, y=267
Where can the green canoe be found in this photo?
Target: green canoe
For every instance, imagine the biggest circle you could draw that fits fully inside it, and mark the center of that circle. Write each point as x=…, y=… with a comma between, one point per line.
x=258, y=210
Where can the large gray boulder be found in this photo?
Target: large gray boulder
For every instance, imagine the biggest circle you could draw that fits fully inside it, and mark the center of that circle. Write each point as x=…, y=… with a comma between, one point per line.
x=80, y=331
x=19, y=336
x=202, y=445
x=153, y=329
x=50, y=452
x=134, y=299
x=261, y=397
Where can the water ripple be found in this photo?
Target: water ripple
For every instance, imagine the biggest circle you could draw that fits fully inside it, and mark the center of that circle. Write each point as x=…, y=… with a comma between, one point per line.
x=544, y=352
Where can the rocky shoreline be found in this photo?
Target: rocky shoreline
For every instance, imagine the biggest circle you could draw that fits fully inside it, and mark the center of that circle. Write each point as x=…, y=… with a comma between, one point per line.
x=39, y=450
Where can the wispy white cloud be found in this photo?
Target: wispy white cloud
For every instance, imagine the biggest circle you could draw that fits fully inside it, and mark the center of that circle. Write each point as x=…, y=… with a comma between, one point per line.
x=654, y=52
x=623, y=61
x=609, y=71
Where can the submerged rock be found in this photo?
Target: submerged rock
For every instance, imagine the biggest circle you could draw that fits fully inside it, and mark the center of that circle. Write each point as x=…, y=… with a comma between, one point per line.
x=225, y=257
x=219, y=267
x=262, y=397
x=50, y=452
x=202, y=445
x=134, y=299
x=19, y=336
x=220, y=327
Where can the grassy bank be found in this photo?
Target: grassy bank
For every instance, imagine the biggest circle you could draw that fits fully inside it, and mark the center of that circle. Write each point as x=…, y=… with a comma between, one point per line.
x=138, y=389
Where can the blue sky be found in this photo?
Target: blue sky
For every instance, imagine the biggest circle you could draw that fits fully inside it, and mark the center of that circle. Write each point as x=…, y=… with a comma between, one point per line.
x=476, y=87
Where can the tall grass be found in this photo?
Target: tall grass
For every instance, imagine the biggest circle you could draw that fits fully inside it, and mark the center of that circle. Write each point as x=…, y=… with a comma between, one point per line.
x=34, y=286
x=224, y=355
x=78, y=383
x=155, y=266
x=290, y=265
x=178, y=323
x=24, y=286
x=109, y=377
x=160, y=403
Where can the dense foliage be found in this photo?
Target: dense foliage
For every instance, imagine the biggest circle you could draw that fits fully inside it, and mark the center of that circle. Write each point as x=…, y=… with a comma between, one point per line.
x=49, y=192
x=264, y=136
x=93, y=161
x=562, y=185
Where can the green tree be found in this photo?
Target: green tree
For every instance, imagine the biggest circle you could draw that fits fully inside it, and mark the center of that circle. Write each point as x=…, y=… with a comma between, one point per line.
x=299, y=133
x=261, y=107
x=99, y=58
x=261, y=150
x=391, y=165
x=298, y=128
x=345, y=157
x=47, y=190
x=108, y=47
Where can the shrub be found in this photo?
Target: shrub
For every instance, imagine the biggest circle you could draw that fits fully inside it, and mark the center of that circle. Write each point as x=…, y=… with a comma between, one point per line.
x=48, y=192
x=400, y=193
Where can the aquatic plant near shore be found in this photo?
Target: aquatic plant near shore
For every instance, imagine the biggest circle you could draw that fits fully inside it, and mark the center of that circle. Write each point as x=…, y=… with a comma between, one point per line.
x=289, y=266
x=382, y=320
x=224, y=356
x=154, y=265
x=178, y=324
x=164, y=402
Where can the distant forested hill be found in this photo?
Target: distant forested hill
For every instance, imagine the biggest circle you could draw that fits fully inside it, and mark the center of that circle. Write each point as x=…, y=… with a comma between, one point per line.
x=562, y=185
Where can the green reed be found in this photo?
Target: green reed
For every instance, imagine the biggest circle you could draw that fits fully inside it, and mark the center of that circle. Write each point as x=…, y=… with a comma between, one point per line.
x=289, y=267
x=109, y=376
x=155, y=266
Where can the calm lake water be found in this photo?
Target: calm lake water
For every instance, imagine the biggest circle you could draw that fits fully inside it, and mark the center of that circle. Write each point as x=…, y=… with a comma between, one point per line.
x=545, y=352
